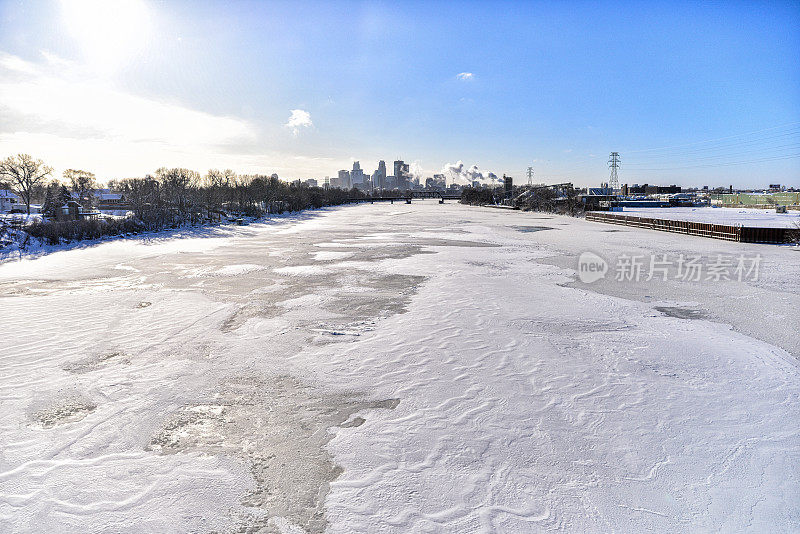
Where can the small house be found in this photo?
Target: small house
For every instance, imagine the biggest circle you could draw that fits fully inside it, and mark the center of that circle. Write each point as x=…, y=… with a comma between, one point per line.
x=7, y=200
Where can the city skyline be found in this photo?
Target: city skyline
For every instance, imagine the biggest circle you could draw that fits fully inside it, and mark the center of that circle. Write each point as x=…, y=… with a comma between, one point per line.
x=685, y=96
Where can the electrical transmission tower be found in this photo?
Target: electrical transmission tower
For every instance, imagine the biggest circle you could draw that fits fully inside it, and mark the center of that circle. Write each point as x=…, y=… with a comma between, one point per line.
x=530, y=175
x=613, y=162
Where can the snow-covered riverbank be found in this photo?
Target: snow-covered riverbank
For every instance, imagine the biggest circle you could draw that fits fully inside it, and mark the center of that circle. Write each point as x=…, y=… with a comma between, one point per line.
x=399, y=368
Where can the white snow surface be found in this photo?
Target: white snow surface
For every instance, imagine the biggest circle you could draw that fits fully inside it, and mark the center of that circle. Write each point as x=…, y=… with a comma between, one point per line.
x=528, y=402
x=730, y=216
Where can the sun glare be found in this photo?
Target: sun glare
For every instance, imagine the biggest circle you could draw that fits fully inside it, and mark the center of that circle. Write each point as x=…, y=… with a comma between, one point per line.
x=109, y=31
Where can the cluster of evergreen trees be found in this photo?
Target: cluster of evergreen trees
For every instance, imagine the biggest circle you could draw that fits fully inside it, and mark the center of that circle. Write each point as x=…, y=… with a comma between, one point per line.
x=55, y=196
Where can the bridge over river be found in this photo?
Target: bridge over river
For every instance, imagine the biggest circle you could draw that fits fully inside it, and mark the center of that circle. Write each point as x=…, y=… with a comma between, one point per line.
x=442, y=196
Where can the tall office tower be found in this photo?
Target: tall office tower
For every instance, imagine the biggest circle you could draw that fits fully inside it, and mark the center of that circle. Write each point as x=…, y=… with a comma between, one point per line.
x=381, y=181
x=398, y=174
x=401, y=174
x=344, y=179
x=356, y=175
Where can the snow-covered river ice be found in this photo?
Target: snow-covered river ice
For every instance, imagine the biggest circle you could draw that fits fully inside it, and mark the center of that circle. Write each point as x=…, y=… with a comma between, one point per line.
x=401, y=368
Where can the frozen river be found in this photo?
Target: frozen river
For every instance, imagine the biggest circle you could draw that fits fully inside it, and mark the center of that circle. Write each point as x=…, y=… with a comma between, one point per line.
x=402, y=368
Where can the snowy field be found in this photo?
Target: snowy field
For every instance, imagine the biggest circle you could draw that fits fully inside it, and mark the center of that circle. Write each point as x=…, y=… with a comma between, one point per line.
x=401, y=368
x=731, y=216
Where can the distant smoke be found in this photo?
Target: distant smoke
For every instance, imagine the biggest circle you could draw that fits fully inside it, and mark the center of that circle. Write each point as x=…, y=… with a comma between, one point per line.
x=458, y=173
x=415, y=171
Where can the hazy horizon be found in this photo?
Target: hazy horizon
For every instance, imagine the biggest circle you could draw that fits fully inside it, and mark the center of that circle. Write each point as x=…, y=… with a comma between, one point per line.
x=687, y=94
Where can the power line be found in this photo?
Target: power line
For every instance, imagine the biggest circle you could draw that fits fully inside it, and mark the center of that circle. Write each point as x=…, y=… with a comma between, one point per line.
x=775, y=143
x=713, y=140
x=741, y=145
x=724, y=164
x=771, y=151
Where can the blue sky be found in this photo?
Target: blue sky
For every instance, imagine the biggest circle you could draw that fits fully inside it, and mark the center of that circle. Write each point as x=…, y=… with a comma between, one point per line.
x=688, y=93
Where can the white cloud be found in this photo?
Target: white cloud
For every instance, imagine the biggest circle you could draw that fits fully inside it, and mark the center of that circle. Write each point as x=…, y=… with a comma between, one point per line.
x=58, y=112
x=298, y=119
x=465, y=76
x=62, y=112
x=92, y=105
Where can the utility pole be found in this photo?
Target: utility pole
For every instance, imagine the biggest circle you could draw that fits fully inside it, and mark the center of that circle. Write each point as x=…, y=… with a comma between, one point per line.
x=613, y=162
x=530, y=175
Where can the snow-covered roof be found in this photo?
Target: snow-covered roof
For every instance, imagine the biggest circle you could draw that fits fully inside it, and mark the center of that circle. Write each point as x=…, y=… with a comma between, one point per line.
x=5, y=193
x=108, y=196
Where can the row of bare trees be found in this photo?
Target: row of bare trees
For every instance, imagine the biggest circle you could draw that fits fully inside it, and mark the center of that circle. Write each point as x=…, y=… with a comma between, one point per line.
x=176, y=195
x=538, y=198
x=168, y=198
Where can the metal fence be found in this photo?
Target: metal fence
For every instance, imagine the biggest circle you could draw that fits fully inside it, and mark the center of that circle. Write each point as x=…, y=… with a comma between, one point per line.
x=752, y=199
x=743, y=234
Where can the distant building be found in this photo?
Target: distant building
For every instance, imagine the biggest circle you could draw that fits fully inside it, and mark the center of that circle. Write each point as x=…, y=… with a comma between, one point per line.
x=379, y=178
x=107, y=197
x=72, y=210
x=326, y=183
x=454, y=188
x=401, y=175
x=357, y=175
x=436, y=183
x=344, y=179
x=604, y=190
x=647, y=189
x=358, y=179
x=7, y=199
x=311, y=182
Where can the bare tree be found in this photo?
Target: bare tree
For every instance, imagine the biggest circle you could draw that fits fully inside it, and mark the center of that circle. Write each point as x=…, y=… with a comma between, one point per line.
x=176, y=186
x=82, y=182
x=24, y=173
x=216, y=184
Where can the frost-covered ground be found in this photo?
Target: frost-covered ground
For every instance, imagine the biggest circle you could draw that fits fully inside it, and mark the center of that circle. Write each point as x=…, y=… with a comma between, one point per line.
x=741, y=216
x=400, y=368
